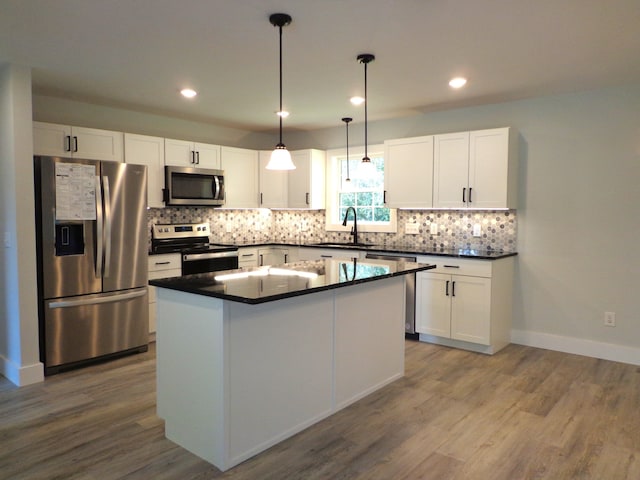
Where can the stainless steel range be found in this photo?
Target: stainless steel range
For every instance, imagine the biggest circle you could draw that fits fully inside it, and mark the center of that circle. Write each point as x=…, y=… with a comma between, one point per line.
x=192, y=241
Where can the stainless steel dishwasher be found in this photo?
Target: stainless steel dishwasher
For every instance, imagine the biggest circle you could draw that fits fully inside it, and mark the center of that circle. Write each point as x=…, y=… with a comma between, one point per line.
x=410, y=290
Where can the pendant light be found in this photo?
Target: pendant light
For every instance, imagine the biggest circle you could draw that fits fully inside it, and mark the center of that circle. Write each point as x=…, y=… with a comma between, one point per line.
x=280, y=157
x=366, y=167
x=346, y=120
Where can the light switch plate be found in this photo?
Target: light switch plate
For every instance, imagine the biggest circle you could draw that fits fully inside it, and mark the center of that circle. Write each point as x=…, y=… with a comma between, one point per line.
x=477, y=230
x=433, y=229
x=412, y=228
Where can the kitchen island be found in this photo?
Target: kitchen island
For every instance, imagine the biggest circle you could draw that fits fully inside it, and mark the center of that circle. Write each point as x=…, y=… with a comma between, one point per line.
x=249, y=357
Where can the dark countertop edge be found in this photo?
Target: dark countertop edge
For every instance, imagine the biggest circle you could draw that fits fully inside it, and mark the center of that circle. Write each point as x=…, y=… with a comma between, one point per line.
x=282, y=296
x=485, y=255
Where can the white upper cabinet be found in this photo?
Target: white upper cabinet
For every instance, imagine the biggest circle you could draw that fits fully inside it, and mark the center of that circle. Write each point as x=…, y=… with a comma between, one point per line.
x=307, y=182
x=475, y=169
x=273, y=184
x=451, y=170
x=181, y=153
x=240, y=177
x=493, y=168
x=149, y=151
x=80, y=142
x=408, y=176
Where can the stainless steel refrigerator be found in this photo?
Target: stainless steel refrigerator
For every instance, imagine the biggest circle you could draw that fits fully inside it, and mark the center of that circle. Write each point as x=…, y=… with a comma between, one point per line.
x=92, y=260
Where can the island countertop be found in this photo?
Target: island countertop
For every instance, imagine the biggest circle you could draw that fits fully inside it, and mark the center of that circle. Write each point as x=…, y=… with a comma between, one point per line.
x=270, y=283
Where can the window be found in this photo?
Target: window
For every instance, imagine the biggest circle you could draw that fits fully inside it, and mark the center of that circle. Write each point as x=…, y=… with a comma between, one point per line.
x=364, y=192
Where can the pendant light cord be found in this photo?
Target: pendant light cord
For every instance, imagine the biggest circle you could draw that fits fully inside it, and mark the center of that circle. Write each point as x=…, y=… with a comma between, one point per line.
x=280, y=111
x=366, y=103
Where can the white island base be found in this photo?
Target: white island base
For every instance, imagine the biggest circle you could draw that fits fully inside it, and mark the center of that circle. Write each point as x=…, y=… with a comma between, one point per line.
x=235, y=379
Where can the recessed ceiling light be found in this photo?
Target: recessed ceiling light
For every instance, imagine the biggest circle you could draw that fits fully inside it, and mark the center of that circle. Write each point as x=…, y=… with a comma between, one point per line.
x=457, y=82
x=283, y=114
x=357, y=100
x=188, y=93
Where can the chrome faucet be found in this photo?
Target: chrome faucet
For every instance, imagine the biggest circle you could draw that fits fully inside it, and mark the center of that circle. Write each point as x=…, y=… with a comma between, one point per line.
x=354, y=229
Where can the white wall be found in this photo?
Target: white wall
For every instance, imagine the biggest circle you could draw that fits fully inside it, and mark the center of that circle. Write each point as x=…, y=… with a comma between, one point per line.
x=19, y=351
x=579, y=212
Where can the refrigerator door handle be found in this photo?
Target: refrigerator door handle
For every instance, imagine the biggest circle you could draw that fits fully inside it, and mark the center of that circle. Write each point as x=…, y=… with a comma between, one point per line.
x=94, y=301
x=99, y=228
x=107, y=225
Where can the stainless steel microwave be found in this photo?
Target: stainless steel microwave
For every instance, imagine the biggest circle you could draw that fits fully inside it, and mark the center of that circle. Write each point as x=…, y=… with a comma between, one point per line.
x=193, y=186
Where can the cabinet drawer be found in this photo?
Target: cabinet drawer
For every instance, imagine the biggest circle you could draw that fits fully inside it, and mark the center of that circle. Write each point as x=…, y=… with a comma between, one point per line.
x=458, y=266
x=164, y=261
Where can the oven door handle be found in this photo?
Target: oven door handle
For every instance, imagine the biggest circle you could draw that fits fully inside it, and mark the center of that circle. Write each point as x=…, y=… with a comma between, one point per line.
x=192, y=257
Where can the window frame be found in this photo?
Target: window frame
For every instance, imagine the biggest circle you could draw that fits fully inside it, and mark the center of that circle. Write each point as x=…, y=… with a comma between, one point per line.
x=333, y=187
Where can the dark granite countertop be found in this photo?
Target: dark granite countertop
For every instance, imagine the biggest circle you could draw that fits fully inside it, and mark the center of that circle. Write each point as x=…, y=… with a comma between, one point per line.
x=269, y=283
x=398, y=248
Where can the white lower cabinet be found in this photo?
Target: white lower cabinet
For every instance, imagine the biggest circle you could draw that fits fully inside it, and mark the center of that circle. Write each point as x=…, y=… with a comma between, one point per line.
x=161, y=266
x=312, y=253
x=273, y=256
x=247, y=257
x=469, y=308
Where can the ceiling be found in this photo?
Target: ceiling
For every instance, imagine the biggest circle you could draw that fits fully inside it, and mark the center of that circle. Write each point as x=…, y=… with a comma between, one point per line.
x=137, y=54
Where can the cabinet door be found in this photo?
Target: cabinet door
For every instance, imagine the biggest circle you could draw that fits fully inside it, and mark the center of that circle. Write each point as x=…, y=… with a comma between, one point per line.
x=433, y=304
x=488, y=168
x=98, y=144
x=409, y=172
x=273, y=184
x=149, y=151
x=178, y=153
x=471, y=309
x=207, y=155
x=51, y=139
x=306, y=183
x=272, y=256
x=240, y=177
x=451, y=170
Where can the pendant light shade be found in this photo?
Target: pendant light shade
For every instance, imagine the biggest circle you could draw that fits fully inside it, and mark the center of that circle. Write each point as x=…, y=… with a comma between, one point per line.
x=367, y=168
x=280, y=157
x=346, y=120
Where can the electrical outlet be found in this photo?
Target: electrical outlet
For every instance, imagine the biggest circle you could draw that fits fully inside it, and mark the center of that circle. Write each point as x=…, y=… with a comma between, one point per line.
x=412, y=228
x=610, y=319
x=433, y=229
x=477, y=230
x=303, y=226
x=229, y=227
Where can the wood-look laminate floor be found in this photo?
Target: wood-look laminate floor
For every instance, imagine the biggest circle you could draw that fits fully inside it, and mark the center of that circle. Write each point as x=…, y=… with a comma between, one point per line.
x=523, y=413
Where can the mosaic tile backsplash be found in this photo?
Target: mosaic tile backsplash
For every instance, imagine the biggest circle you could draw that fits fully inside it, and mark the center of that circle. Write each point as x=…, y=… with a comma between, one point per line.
x=455, y=227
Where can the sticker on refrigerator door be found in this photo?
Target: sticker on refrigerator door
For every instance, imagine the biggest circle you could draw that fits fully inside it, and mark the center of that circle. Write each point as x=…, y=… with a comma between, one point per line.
x=75, y=191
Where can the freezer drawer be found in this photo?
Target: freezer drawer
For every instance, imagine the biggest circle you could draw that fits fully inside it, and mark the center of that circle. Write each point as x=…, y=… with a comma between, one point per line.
x=90, y=326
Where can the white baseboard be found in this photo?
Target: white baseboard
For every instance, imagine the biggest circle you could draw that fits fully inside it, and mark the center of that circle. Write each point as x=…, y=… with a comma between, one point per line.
x=578, y=346
x=21, y=376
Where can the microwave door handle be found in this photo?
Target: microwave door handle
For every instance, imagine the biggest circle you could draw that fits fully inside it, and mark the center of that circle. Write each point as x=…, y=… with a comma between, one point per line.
x=107, y=225
x=216, y=183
